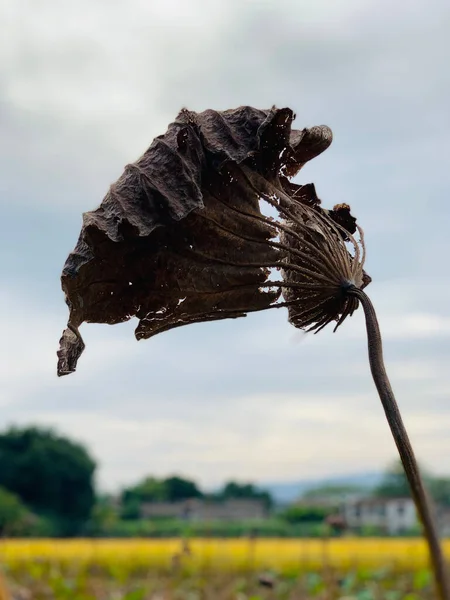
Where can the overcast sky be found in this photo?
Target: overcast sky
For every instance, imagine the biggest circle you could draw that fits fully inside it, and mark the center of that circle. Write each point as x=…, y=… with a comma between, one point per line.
x=84, y=88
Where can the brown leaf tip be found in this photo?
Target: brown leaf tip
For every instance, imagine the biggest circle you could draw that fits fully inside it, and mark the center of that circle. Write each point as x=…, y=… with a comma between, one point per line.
x=71, y=347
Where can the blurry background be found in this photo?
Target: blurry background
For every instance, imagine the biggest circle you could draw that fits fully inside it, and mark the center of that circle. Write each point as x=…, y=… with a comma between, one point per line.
x=85, y=87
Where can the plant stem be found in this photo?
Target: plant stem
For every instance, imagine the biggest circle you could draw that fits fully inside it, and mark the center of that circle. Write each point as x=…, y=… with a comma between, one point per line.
x=421, y=498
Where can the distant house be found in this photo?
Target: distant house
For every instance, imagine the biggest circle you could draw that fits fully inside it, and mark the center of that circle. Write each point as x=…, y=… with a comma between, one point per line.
x=443, y=520
x=197, y=509
x=392, y=515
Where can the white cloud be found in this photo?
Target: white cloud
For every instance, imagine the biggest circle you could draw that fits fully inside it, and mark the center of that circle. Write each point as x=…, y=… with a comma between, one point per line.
x=270, y=437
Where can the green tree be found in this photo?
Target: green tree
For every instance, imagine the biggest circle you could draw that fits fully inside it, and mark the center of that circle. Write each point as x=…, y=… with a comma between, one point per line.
x=14, y=515
x=51, y=474
x=394, y=483
x=232, y=489
x=305, y=514
x=104, y=516
x=178, y=488
x=440, y=490
x=150, y=489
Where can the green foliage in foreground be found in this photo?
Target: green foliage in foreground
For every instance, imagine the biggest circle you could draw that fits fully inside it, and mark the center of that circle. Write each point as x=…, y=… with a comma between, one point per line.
x=48, y=580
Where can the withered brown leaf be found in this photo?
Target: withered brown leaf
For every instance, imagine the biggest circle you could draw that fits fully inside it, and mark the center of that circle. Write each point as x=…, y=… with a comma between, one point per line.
x=180, y=237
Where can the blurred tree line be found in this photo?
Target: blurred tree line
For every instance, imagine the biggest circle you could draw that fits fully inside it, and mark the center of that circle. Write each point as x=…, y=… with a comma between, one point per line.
x=395, y=485
x=174, y=489
x=47, y=489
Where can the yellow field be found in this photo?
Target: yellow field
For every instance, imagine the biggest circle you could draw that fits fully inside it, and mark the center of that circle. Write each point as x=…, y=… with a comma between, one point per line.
x=283, y=555
x=217, y=569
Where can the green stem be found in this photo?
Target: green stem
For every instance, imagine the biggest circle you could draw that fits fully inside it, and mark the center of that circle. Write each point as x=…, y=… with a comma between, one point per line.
x=391, y=409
